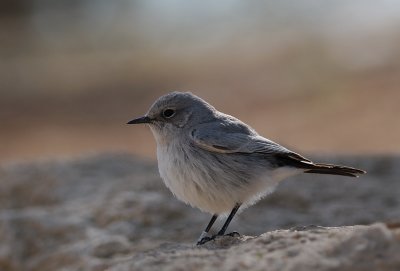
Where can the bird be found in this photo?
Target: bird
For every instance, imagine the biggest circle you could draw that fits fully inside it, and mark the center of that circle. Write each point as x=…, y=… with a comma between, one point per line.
x=217, y=163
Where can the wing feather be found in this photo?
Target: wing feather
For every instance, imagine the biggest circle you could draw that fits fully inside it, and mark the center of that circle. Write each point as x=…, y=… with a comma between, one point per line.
x=236, y=137
x=216, y=137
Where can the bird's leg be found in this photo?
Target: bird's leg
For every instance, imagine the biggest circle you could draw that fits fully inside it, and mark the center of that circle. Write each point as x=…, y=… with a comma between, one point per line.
x=228, y=220
x=203, y=237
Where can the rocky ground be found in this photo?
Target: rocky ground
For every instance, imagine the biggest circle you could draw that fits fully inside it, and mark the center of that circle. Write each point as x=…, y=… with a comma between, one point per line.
x=112, y=212
x=347, y=248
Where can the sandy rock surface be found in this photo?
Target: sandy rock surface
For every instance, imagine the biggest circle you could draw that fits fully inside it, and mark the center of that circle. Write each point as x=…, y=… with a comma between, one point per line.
x=113, y=212
x=349, y=248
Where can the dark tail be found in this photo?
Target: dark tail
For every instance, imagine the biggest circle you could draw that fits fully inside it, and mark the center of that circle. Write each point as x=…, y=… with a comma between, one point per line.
x=334, y=170
x=296, y=160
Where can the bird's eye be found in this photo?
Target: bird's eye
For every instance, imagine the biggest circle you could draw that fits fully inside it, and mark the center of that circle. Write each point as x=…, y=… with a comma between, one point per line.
x=168, y=113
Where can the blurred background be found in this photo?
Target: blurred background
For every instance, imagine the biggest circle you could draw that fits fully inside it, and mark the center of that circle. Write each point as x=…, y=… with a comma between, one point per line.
x=320, y=77
x=317, y=76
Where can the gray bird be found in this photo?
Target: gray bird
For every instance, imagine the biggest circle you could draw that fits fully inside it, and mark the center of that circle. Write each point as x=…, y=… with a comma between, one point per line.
x=216, y=162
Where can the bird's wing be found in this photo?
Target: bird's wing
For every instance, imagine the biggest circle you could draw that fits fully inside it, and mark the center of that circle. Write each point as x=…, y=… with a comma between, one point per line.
x=234, y=137
x=237, y=137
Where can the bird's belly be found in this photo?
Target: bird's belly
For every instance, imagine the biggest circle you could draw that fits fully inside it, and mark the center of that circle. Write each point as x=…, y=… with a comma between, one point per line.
x=191, y=185
x=214, y=189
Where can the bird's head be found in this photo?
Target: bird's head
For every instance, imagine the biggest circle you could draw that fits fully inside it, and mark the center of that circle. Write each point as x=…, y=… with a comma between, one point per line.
x=174, y=112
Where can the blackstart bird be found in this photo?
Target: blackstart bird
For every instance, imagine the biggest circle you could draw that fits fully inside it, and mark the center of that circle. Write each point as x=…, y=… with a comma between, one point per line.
x=216, y=162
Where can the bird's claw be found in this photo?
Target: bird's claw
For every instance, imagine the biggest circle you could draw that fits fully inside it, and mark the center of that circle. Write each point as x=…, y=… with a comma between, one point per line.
x=233, y=234
x=205, y=240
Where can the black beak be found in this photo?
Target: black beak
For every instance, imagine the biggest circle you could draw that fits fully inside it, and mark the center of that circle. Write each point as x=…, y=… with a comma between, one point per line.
x=140, y=120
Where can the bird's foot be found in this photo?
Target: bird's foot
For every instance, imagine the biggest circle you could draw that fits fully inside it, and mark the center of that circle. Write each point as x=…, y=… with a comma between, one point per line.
x=233, y=234
x=204, y=240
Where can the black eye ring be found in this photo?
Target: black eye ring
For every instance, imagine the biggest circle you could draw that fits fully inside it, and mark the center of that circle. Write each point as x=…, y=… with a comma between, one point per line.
x=168, y=113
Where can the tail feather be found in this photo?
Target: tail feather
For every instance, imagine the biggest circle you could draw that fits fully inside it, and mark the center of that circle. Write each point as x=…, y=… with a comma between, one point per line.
x=296, y=160
x=334, y=170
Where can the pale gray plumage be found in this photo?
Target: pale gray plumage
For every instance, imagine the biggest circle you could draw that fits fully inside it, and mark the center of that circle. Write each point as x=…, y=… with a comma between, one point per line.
x=214, y=161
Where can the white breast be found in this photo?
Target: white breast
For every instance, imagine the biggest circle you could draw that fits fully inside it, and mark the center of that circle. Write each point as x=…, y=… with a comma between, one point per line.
x=183, y=180
x=186, y=183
